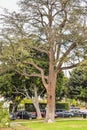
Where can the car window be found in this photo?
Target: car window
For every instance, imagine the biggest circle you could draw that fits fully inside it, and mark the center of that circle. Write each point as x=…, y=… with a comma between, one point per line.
x=59, y=110
x=25, y=113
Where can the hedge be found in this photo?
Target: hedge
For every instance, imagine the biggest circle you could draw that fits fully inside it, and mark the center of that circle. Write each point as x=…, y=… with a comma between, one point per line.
x=65, y=106
x=30, y=107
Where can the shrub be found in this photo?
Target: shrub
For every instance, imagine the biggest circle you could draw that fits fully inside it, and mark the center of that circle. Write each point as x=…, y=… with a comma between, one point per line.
x=30, y=107
x=65, y=106
x=4, y=117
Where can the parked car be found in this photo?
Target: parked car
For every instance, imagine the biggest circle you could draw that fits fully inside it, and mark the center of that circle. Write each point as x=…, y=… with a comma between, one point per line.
x=84, y=111
x=59, y=110
x=43, y=112
x=77, y=113
x=33, y=114
x=24, y=115
x=12, y=116
x=64, y=114
x=74, y=108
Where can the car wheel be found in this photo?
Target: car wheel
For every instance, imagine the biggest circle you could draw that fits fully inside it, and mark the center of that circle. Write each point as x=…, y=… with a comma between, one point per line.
x=18, y=117
x=30, y=118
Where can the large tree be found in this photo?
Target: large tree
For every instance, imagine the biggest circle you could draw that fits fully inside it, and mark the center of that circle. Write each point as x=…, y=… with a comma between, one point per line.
x=8, y=91
x=59, y=26
x=77, y=84
x=15, y=87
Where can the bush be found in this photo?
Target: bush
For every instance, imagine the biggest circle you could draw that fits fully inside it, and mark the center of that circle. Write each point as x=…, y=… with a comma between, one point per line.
x=65, y=106
x=4, y=117
x=30, y=107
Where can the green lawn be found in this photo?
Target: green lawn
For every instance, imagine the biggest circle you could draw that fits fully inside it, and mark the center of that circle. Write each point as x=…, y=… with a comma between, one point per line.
x=58, y=125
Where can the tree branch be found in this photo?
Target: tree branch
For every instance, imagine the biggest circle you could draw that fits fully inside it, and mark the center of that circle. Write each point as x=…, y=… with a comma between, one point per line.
x=65, y=55
x=19, y=92
x=70, y=67
x=40, y=70
x=41, y=50
x=27, y=94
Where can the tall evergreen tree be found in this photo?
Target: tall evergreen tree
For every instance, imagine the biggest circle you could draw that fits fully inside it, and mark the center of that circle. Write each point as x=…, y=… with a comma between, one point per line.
x=60, y=28
x=77, y=84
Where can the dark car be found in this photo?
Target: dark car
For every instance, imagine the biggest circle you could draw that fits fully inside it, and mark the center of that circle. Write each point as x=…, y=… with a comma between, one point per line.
x=34, y=115
x=12, y=116
x=43, y=112
x=24, y=115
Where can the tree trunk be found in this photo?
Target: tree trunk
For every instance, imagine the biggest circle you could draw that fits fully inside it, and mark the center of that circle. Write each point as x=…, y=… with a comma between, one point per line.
x=36, y=103
x=50, y=112
x=14, y=107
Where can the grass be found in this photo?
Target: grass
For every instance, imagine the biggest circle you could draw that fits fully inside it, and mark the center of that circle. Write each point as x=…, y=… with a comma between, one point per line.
x=58, y=125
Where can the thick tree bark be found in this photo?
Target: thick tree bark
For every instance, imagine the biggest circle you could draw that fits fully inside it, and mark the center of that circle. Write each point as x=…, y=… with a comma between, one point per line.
x=50, y=113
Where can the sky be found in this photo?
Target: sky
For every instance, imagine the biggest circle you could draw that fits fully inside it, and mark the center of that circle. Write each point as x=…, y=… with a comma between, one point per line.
x=9, y=4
